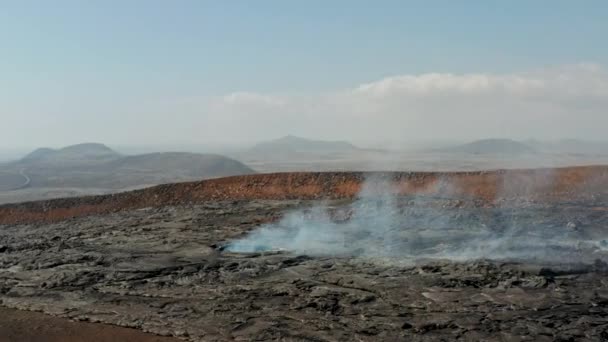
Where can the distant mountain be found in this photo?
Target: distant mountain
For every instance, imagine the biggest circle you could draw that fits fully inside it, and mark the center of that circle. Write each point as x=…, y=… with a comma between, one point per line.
x=96, y=166
x=72, y=154
x=493, y=146
x=38, y=154
x=187, y=165
x=291, y=144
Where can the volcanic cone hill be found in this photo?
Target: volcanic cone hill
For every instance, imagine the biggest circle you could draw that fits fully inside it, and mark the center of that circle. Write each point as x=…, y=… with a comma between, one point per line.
x=77, y=154
x=93, y=168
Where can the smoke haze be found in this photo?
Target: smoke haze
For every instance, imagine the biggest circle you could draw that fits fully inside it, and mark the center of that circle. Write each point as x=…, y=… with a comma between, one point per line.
x=380, y=224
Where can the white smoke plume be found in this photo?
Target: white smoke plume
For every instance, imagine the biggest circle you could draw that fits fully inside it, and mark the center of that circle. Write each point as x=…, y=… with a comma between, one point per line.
x=380, y=224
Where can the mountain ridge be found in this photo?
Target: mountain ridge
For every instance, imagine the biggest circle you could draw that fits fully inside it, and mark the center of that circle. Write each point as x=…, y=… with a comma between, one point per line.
x=95, y=168
x=71, y=153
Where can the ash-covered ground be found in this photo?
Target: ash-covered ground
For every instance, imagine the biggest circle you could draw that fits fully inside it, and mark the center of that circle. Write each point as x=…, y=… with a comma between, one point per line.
x=414, y=268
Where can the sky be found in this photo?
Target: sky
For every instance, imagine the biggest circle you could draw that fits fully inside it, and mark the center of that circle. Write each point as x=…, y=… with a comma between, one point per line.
x=152, y=72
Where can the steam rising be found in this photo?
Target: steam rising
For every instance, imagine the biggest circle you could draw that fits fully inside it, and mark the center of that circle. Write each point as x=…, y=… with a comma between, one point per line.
x=381, y=224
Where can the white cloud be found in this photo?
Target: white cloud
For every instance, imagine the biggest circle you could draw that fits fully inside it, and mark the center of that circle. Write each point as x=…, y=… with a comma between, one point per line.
x=560, y=102
x=576, y=80
x=434, y=83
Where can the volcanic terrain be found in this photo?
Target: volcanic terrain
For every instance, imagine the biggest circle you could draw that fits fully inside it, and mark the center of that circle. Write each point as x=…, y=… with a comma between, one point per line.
x=509, y=255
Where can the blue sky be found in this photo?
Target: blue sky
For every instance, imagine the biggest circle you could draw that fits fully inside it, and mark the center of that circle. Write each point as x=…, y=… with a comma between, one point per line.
x=220, y=46
x=113, y=55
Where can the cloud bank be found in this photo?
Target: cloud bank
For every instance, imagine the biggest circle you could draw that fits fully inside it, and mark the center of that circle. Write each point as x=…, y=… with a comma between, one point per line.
x=554, y=103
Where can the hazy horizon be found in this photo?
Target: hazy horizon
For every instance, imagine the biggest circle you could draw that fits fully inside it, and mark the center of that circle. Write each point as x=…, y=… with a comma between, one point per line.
x=218, y=147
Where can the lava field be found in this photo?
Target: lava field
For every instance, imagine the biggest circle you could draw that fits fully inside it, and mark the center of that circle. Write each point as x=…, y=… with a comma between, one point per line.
x=493, y=256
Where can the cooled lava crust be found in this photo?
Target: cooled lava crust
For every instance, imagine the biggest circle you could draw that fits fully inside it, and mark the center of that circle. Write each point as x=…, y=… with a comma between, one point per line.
x=160, y=259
